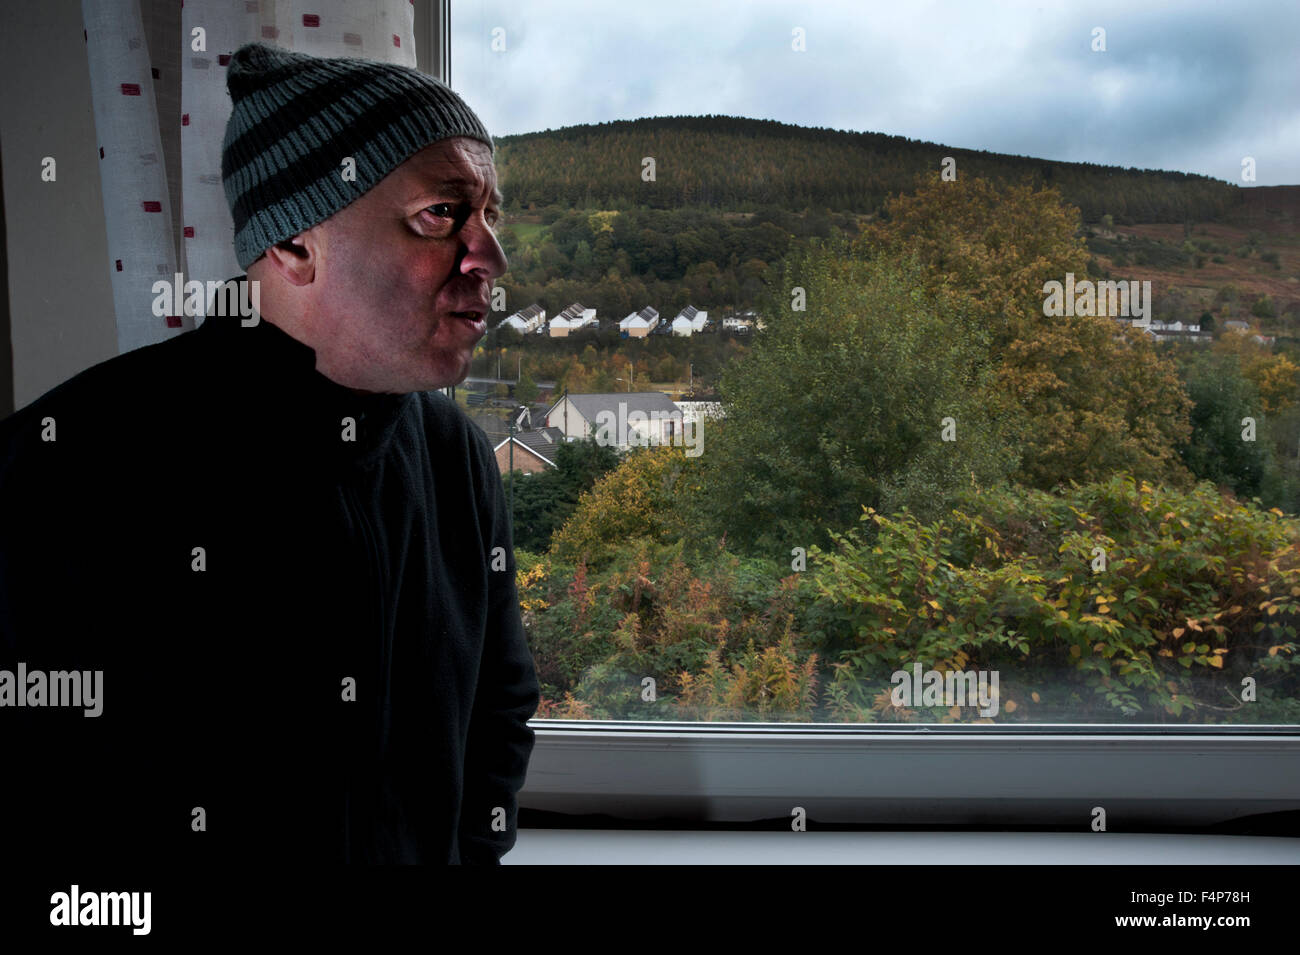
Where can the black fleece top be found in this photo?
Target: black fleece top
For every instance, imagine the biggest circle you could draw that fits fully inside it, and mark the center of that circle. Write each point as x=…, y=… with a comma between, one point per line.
x=302, y=601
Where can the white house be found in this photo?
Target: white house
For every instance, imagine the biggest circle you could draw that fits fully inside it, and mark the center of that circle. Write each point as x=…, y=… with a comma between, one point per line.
x=1175, y=326
x=1176, y=334
x=526, y=319
x=689, y=320
x=571, y=319
x=621, y=419
x=638, y=324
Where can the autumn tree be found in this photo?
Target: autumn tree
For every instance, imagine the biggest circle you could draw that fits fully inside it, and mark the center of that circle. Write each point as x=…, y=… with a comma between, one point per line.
x=639, y=499
x=1087, y=398
x=1275, y=376
x=544, y=501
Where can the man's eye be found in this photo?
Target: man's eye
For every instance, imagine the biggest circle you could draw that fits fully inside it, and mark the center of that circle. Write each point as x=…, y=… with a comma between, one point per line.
x=440, y=205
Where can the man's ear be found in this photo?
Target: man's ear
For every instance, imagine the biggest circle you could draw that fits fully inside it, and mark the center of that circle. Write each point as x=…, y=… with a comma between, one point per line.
x=294, y=258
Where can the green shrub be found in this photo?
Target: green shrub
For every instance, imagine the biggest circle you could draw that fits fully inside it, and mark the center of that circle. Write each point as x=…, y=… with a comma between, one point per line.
x=1198, y=593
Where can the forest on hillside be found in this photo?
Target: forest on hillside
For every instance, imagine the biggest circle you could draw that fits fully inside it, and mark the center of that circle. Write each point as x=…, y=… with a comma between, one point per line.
x=739, y=164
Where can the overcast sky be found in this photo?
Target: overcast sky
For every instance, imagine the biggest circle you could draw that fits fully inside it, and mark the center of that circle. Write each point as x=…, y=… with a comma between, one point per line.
x=1191, y=86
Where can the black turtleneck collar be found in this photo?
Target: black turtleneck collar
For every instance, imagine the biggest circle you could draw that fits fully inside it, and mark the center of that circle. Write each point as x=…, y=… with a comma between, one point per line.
x=274, y=366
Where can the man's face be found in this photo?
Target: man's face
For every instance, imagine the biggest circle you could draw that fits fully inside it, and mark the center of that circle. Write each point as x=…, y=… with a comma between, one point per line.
x=398, y=265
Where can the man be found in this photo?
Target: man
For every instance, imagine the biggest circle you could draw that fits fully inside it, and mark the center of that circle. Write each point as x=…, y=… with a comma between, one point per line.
x=288, y=561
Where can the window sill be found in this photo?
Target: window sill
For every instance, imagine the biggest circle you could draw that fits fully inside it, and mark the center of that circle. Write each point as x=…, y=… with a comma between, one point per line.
x=585, y=847
x=1145, y=777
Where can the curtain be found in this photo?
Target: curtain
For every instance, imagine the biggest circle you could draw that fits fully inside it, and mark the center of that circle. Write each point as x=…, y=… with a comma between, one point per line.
x=160, y=128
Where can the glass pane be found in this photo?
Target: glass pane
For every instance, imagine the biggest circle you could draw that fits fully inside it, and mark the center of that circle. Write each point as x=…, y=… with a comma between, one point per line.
x=872, y=363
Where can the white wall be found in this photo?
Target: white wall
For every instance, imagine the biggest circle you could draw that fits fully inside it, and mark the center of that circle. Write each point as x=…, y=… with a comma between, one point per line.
x=60, y=299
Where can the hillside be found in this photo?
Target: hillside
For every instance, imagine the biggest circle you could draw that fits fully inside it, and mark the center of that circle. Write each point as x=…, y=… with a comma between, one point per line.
x=739, y=164
x=1252, y=252
x=731, y=194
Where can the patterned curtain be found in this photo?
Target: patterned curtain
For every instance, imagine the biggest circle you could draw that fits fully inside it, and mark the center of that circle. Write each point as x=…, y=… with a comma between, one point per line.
x=139, y=107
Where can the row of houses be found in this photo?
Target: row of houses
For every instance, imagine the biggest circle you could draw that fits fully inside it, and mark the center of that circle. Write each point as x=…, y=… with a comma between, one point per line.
x=639, y=324
x=621, y=419
x=1180, y=331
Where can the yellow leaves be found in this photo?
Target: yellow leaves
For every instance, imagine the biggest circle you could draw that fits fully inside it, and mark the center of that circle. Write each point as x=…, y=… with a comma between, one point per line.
x=1102, y=608
x=1098, y=647
x=1273, y=651
x=1165, y=653
x=1075, y=651
x=1010, y=706
x=934, y=604
x=1179, y=631
x=1035, y=697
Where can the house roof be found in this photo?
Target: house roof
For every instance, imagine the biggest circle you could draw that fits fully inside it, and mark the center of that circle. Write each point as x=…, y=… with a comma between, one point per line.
x=540, y=441
x=524, y=316
x=688, y=312
x=589, y=406
x=573, y=311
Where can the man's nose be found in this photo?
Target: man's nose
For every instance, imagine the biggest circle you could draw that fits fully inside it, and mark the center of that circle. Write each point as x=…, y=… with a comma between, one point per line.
x=482, y=251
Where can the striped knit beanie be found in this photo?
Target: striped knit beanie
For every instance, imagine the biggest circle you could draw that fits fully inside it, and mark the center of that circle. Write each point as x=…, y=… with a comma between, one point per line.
x=297, y=118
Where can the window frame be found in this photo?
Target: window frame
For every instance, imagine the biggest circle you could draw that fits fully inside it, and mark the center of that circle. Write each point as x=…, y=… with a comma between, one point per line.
x=1045, y=776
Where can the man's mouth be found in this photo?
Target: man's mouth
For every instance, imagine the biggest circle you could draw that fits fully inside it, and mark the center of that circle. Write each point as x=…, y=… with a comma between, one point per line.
x=472, y=321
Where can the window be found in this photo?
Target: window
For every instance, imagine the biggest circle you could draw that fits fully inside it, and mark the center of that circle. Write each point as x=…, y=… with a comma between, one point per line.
x=989, y=410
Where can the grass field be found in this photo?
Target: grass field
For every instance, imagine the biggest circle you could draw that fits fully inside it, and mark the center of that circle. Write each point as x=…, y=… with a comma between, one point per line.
x=527, y=233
